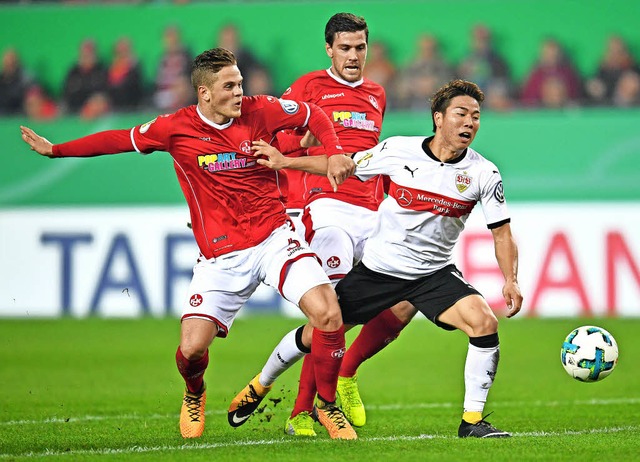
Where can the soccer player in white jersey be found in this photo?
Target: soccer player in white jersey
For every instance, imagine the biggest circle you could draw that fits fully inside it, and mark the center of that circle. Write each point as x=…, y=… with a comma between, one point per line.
x=435, y=183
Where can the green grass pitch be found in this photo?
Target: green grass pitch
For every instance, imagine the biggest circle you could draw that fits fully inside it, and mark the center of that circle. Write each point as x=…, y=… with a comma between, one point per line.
x=83, y=390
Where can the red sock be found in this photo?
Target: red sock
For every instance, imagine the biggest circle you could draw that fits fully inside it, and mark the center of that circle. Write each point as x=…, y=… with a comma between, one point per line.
x=306, y=388
x=192, y=371
x=327, y=349
x=374, y=336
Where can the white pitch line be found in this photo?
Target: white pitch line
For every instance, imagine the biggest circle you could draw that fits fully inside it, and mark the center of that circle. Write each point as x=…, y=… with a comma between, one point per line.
x=200, y=446
x=383, y=408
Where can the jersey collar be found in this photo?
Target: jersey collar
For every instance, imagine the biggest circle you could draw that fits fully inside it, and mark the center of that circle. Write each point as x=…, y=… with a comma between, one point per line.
x=344, y=82
x=427, y=151
x=211, y=123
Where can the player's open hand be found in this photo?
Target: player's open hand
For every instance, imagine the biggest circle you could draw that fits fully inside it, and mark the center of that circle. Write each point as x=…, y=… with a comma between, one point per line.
x=512, y=297
x=339, y=168
x=38, y=143
x=272, y=158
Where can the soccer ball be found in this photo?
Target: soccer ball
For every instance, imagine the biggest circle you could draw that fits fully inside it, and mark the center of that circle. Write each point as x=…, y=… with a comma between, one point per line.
x=589, y=353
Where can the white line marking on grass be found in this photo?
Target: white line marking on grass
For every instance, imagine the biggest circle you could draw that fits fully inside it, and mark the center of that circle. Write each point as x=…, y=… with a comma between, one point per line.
x=383, y=407
x=199, y=446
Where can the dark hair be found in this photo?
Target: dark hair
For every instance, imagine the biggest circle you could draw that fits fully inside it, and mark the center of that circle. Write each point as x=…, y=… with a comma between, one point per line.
x=210, y=62
x=442, y=98
x=344, y=22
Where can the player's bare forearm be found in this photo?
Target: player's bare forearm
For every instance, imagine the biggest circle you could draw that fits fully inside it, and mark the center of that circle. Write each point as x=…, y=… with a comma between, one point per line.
x=37, y=143
x=507, y=256
x=274, y=159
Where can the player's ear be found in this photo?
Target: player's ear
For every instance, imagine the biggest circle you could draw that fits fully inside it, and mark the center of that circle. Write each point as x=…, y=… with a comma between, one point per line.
x=437, y=118
x=204, y=93
x=329, y=50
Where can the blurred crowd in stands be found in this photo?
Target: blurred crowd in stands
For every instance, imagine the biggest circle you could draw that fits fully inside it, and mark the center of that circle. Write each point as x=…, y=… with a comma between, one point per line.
x=93, y=88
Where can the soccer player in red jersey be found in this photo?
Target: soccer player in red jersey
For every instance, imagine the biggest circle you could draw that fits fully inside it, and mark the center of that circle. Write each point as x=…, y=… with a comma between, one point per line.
x=435, y=182
x=336, y=223
x=239, y=222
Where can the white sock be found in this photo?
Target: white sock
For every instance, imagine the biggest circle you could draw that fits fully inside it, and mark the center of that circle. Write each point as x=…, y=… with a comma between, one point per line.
x=285, y=355
x=479, y=371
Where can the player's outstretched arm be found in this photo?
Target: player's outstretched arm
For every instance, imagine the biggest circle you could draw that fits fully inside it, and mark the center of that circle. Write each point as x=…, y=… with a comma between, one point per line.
x=507, y=256
x=274, y=159
x=37, y=143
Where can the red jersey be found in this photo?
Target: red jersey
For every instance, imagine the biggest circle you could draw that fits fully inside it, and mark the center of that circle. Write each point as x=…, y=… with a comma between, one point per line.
x=356, y=110
x=234, y=202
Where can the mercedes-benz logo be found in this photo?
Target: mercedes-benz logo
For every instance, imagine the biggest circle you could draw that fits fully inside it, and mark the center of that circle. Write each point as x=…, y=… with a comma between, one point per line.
x=403, y=197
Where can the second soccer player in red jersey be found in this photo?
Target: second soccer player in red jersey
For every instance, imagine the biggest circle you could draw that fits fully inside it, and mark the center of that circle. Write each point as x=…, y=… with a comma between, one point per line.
x=336, y=223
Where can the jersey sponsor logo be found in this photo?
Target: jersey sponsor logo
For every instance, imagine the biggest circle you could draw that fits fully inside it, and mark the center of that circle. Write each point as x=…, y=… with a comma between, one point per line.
x=145, y=127
x=288, y=106
x=425, y=201
x=374, y=101
x=463, y=181
x=223, y=161
x=339, y=353
x=333, y=95
x=403, y=197
x=195, y=300
x=333, y=262
x=245, y=147
x=498, y=192
x=357, y=120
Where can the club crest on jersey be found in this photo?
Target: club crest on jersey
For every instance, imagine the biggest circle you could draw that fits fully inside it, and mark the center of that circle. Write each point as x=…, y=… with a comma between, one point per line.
x=463, y=181
x=245, y=147
x=333, y=262
x=374, y=101
x=288, y=106
x=145, y=127
x=195, y=300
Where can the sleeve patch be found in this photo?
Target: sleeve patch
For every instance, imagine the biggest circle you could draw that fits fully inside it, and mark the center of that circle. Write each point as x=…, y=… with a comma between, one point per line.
x=498, y=192
x=288, y=106
x=145, y=127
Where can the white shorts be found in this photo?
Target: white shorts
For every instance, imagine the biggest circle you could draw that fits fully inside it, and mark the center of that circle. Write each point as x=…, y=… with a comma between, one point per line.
x=220, y=286
x=336, y=232
x=296, y=217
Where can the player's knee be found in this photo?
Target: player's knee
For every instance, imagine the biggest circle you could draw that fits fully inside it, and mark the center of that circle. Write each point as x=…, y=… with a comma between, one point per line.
x=484, y=325
x=329, y=319
x=320, y=304
x=193, y=350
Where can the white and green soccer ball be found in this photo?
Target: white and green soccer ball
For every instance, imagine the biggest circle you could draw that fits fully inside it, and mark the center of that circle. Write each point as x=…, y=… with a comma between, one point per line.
x=589, y=353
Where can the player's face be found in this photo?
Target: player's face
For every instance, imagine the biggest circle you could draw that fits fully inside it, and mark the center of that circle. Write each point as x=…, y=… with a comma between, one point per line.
x=459, y=123
x=348, y=55
x=225, y=96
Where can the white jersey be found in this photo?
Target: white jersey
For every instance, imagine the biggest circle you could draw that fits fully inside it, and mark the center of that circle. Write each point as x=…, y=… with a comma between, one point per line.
x=428, y=204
